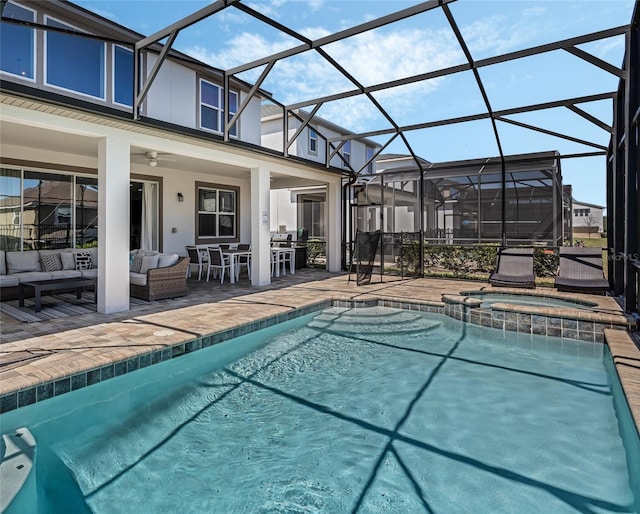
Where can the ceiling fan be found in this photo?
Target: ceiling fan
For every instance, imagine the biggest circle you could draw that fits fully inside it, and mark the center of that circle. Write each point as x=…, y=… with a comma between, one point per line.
x=153, y=157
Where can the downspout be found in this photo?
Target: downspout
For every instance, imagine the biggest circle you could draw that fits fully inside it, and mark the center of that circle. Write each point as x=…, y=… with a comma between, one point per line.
x=345, y=207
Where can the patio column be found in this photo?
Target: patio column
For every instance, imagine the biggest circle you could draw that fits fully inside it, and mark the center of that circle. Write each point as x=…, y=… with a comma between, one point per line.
x=113, y=224
x=333, y=234
x=260, y=234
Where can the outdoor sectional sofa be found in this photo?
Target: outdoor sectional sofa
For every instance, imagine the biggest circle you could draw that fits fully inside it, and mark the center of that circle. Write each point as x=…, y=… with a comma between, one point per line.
x=164, y=275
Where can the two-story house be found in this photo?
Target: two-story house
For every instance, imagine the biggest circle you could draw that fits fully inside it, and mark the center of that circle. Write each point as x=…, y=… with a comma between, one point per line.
x=319, y=140
x=170, y=159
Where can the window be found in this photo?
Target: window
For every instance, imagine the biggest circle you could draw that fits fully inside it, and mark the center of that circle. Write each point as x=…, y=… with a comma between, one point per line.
x=63, y=215
x=582, y=212
x=370, y=158
x=122, y=76
x=17, y=44
x=40, y=210
x=75, y=64
x=212, y=107
x=313, y=141
x=346, y=153
x=217, y=214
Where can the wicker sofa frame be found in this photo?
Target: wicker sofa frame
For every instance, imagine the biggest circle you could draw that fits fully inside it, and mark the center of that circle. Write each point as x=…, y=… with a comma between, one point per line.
x=163, y=283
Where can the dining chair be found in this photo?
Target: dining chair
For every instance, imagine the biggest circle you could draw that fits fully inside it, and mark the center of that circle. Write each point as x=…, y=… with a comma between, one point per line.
x=195, y=259
x=279, y=261
x=243, y=260
x=217, y=263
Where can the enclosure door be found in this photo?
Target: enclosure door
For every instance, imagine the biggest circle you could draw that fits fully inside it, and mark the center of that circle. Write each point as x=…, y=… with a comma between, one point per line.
x=368, y=218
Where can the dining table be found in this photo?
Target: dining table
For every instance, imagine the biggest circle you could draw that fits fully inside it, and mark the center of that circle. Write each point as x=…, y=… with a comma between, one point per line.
x=232, y=256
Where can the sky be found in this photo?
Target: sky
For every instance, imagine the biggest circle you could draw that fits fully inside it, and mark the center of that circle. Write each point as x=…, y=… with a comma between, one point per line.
x=422, y=43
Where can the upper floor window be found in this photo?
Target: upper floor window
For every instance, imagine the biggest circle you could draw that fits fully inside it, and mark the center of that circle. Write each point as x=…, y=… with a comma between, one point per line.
x=313, y=141
x=582, y=212
x=216, y=213
x=346, y=153
x=75, y=64
x=122, y=75
x=370, y=159
x=17, y=43
x=212, y=107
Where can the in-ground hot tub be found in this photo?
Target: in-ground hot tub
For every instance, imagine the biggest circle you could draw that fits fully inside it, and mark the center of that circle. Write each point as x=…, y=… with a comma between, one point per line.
x=535, y=300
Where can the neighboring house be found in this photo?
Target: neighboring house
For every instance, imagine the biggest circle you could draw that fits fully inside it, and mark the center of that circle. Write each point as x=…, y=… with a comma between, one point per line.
x=169, y=173
x=587, y=219
x=319, y=140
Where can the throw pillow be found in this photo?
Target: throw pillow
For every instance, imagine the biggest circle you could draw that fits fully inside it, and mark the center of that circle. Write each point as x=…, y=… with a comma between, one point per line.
x=167, y=260
x=148, y=262
x=83, y=260
x=137, y=262
x=68, y=262
x=51, y=262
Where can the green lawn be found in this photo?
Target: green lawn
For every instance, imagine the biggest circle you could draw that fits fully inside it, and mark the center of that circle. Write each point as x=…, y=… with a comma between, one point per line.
x=593, y=242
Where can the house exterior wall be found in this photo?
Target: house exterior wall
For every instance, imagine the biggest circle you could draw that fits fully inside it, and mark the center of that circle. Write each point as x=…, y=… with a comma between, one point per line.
x=173, y=95
x=283, y=211
x=587, y=219
x=181, y=215
x=272, y=138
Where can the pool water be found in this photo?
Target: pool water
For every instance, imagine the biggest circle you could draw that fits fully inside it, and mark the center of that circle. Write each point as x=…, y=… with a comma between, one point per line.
x=351, y=410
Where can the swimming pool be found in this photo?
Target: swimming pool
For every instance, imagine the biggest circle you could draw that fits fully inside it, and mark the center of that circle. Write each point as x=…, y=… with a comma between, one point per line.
x=337, y=413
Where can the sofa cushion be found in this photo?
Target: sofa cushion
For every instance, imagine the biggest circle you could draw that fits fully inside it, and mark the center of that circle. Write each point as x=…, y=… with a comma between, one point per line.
x=30, y=276
x=167, y=259
x=3, y=263
x=9, y=280
x=50, y=260
x=137, y=279
x=149, y=262
x=21, y=262
x=66, y=273
x=83, y=260
x=68, y=262
x=89, y=273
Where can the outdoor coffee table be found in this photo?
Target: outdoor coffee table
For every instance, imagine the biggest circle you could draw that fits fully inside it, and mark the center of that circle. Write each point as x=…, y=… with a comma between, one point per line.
x=57, y=284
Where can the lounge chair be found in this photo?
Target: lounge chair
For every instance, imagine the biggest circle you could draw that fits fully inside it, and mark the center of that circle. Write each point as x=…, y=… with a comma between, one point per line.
x=581, y=271
x=514, y=269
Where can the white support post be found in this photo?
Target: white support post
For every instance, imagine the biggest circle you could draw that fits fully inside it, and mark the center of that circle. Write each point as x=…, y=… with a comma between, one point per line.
x=260, y=234
x=333, y=233
x=113, y=224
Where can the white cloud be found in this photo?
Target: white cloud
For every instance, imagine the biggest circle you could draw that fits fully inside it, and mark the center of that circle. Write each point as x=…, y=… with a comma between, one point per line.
x=371, y=58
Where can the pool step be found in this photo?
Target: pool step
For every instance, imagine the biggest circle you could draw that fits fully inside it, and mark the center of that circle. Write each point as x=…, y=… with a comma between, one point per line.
x=372, y=320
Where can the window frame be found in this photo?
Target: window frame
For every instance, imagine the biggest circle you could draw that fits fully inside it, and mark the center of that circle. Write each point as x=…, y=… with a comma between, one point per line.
x=45, y=62
x=34, y=56
x=369, y=153
x=233, y=133
x=313, y=138
x=225, y=188
x=346, y=154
